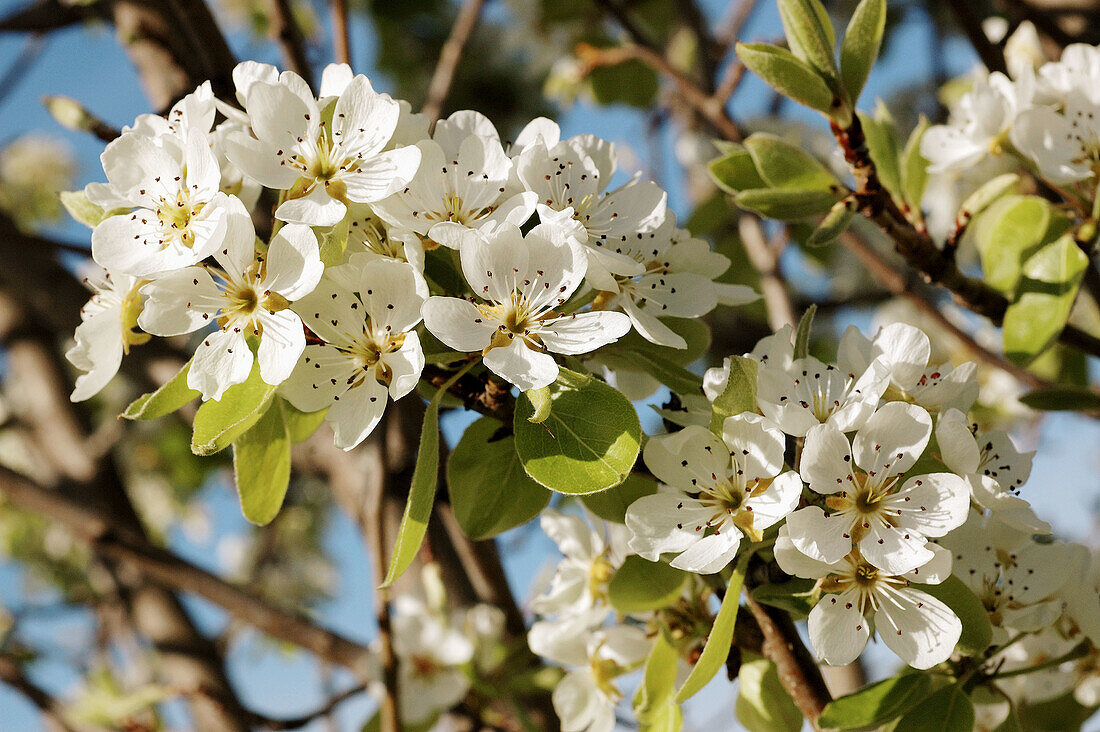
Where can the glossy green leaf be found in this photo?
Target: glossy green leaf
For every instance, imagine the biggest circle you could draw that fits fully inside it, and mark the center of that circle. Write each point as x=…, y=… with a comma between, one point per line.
x=720, y=639
x=802, y=333
x=654, y=707
x=489, y=491
x=640, y=585
x=735, y=171
x=788, y=75
x=588, y=443
x=261, y=466
x=219, y=423
x=172, y=395
x=763, y=705
x=914, y=167
x=785, y=204
x=1009, y=232
x=418, y=507
x=1062, y=399
x=783, y=165
x=667, y=718
x=809, y=34
x=835, y=223
x=860, y=47
x=611, y=505
x=738, y=396
x=875, y=705
x=1044, y=300
x=301, y=425
x=947, y=710
x=977, y=633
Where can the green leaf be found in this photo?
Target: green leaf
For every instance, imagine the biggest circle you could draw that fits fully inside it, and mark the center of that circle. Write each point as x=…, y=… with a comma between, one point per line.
x=987, y=194
x=785, y=204
x=977, y=633
x=540, y=400
x=1062, y=398
x=418, y=507
x=489, y=491
x=1009, y=232
x=261, y=466
x=1045, y=298
x=735, y=171
x=882, y=143
x=640, y=585
x=802, y=333
x=948, y=710
x=763, y=705
x=631, y=82
x=783, y=165
x=875, y=705
x=588, y=443
x=654, y=707
x=738, y=396
x=83, y=210
x=720, y=639
x=172, y=395
x=611, y=505
x=860, y=48
x=219, y=423
x=914, y=167
x=834, y=224
x=789, y=76
x=301, y=425
x=675, y=377
x=1055, y=715
x=809, y=34
x=792, y=596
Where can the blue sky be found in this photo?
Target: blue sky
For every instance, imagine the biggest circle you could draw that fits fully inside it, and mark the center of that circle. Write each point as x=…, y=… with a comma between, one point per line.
x=89, y=66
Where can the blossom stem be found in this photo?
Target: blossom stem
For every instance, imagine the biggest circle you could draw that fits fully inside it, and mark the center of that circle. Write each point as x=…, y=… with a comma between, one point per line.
x=1080, y=650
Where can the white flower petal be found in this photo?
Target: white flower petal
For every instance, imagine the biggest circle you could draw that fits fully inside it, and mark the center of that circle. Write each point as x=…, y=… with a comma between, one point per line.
x=920, y=629
x=838, y=632
x=457, y=323
x=521, y=365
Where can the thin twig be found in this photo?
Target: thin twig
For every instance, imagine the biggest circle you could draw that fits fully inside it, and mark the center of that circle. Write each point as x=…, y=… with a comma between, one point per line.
x=340, y=38
x=773, y=286
x=286, y=32
x=11, y=673
x=299, y=722
x=32, y=49
x=970, y=20
x=443, y=77
x=897, y=283
x=730, y=27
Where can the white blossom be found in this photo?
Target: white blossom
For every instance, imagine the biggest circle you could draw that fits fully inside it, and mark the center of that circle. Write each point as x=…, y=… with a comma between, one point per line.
x=716, y=491
x=324, y=153
x=431, y=656
x=890, y=521
x=245, y=295
x=364, y=312
x=978, y=123
x=920, y=629
x=590, y=559
x=107, y=329
x=521, y=281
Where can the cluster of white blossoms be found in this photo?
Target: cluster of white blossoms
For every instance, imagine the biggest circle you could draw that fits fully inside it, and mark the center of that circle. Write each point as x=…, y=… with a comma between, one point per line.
x=544, y=256
x=1044, y=117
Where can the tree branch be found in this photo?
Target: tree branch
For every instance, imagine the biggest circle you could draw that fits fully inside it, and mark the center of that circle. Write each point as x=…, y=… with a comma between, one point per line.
x=11, y=673
x=285, y=31
x=440, y=86
x=168, y=570
x=970, y=20
x=340, y=40
x=765, y=260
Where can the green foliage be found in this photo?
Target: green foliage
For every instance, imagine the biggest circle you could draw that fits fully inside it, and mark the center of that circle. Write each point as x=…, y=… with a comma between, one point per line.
x=977, y=633
x=792, y=596
x=588, y=443
x=489, y=491
x=219, y=423
x=735, y=172
x=1010, y=231
x=810, y=34
x=1053, y=715
x=720, y=639
x=783, y=165
x=83, y=210
x=988, y=193
x=655, y=695
x=631, y=82
x=875, y=705
x=301, y=425
x=540, y=400
x=835, y=223
x=640, y=585
x=418, y=507
x=261, y=465
x=882, y=143
x=787, y=205
x=802, y=333
x=763, y=705
x=788, y=75
x=861, y=45
x=948, y=710
x=738, y=396
x=914, y=167
x=611, y=505
x=172, y=395
x=1062, y=398
x=1044, y=299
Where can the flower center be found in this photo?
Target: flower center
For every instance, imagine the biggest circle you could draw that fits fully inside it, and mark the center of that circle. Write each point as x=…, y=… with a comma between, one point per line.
x=174, y=214
x=424, y=667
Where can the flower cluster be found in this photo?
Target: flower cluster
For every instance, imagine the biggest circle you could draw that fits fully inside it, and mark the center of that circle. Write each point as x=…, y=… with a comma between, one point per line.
x=328, y=300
